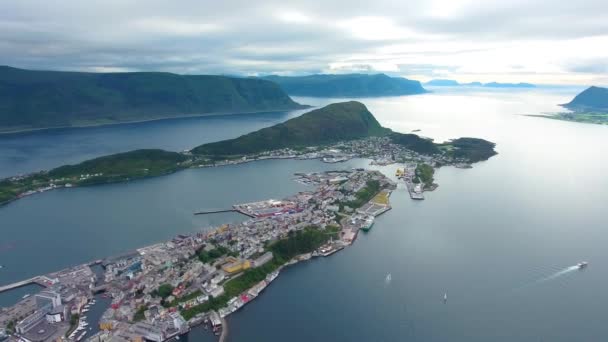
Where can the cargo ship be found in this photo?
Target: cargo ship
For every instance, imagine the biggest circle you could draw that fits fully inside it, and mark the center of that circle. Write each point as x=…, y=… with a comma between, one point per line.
x=367, y=225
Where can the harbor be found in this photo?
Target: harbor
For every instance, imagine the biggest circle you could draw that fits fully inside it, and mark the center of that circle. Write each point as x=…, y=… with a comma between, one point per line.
x=211, y=263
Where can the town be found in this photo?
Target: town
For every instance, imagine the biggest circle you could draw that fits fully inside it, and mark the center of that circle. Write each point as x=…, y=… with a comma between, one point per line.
x=161, y=291
x=381, y=151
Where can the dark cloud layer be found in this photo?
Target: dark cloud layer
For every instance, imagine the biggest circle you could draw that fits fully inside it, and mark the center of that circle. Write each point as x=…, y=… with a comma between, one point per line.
x=411, y=38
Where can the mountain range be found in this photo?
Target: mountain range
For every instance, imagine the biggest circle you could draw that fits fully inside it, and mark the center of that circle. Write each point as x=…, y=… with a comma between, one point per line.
x=454, y=83
x=347, y=85
x=43, y=99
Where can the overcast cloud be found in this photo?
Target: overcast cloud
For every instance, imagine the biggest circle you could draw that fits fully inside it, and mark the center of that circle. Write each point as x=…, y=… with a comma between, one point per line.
x=542, y=41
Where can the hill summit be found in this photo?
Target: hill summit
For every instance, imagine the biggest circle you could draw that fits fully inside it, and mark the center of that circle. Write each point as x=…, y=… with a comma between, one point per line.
x=332, y=123
x=593, y=98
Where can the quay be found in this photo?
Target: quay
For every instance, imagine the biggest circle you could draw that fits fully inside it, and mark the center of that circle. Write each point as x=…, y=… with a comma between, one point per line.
x=224, y=334
x=35, y=280
x=217, y=211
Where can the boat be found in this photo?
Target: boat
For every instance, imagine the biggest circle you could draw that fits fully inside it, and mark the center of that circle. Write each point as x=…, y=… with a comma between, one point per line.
x=445, y=298
x=25, y=296
x=388, y=278
x=369, y=222
x=581, y=265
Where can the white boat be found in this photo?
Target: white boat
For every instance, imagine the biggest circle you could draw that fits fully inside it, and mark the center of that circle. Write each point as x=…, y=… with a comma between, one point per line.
x=445, y=297
x=582, y=265
x=26, y=295
x=388, y=278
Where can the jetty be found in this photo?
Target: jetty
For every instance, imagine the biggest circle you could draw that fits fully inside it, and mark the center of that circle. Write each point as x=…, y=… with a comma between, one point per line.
x=217, y=211
x=224, y=334
x=35, y=280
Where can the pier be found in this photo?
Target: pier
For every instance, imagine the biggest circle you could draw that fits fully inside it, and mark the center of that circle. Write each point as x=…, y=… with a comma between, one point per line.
x=35, y=280
x=213, y=211
x=224, y=334
x=217, y=211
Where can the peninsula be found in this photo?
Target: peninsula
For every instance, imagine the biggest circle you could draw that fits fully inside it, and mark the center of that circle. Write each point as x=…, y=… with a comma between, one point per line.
x=161, y=291
x=336, y=132
x=347, y=85
x=32, y=99
x=590, y=106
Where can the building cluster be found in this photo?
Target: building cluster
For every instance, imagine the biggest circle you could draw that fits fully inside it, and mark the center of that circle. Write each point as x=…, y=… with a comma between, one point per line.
x=49, y=314
x=150, y=287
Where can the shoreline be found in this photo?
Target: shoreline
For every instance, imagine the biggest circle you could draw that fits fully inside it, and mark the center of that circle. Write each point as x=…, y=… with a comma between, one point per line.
x=198, y=240
x=212, y=114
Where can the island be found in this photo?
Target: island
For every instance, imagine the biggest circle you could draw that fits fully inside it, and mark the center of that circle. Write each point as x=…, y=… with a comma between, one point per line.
x=161, y=291
x=590, y=106
x=454, y=83
x=31, y=99
x=347, y=85
x=334, y=133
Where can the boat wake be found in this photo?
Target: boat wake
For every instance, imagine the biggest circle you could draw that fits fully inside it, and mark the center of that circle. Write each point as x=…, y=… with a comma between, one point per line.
x=553, y=276
x=558, y=274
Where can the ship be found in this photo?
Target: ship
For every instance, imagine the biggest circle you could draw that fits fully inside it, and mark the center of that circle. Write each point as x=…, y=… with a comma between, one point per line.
x=581, y=265
x=369, y=222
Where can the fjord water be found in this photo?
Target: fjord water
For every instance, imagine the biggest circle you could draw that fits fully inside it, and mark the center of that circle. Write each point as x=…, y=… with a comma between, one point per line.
x=492, y=237
x=45, y=149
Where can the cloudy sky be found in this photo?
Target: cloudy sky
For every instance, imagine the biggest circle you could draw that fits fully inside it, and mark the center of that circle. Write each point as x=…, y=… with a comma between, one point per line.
x=540, y=41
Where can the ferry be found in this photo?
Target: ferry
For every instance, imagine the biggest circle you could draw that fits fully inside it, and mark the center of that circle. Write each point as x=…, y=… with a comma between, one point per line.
x=369, y=222
x=581, y=265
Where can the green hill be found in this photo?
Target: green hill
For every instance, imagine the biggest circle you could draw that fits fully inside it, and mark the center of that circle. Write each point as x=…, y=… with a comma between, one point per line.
x=42, y=99
x=133, y=164
x=347, y=85
x=591, y=99
x=332, y=123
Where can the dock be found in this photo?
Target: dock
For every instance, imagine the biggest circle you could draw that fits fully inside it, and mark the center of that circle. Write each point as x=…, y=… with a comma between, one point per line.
x=217, y=211
x=414, y=194
x=213, y=211
x=34, y=280
x=224, y=334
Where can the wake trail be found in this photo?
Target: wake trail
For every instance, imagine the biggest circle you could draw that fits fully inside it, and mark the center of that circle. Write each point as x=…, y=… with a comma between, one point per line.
x=553, y=276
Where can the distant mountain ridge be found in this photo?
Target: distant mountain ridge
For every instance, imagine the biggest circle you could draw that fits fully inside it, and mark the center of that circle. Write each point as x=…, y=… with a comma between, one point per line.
x=347, y=85
x=44, y=99
x=454, y=83
x=591, y=99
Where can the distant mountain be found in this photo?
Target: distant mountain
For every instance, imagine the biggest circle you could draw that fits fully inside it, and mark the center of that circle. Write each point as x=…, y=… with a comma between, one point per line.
x=42, y=99
x=591, y=99
x=509, y=85
x=454, y=83
x=442, y=83
x=332, y=123
x=348, y=85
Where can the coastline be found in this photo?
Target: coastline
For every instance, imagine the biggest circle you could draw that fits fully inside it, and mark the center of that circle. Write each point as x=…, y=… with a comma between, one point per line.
x=345, y=235
x=211, y=114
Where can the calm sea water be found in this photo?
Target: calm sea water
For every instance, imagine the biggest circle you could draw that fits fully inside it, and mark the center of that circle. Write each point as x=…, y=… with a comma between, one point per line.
x=497, y=238
x=42, y=150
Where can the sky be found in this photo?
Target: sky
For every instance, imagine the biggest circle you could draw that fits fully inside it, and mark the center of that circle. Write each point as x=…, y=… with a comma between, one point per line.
x=537, y=41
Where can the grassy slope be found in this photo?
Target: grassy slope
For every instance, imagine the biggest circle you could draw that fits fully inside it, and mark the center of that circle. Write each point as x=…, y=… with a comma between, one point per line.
x=335, y=122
